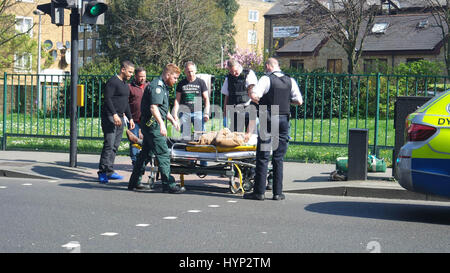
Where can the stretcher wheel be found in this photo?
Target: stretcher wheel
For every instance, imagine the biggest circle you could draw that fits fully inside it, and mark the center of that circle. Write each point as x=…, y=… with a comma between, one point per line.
x=235, y=186
x=151, y=181
x=236, y=180
x=248, y=180
x=248, y=184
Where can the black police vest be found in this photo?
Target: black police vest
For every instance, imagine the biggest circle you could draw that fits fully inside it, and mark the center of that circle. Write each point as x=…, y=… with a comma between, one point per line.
x=279, y=94
x=237, y=93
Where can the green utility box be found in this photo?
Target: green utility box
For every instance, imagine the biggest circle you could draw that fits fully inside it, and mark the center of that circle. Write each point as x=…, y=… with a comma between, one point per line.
x=373, y=164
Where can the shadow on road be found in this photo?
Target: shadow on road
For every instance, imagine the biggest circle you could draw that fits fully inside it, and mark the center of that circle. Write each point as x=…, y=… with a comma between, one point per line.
x=62, y=173
x=431, y=214
x=325, y=177
x=87, y=173
x=85, y=177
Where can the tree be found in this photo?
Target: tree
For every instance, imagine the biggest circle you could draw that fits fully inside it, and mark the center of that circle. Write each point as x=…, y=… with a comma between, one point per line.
x=441, y=12
x=247, y=58
x=347, y=22
x=227, y=32
x=13, y=42
x=158, y=32
x=190, y=29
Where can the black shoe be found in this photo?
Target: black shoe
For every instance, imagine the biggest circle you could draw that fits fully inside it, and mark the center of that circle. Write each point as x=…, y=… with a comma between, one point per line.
x=269, y=186
x=131, y=187
x=138, y=187
x=254, y=196
x=278, y=197
x=142, y=187
x=173, y=189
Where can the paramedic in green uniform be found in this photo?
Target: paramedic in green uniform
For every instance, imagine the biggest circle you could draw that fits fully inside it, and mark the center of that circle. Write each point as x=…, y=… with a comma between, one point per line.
x=154, y=112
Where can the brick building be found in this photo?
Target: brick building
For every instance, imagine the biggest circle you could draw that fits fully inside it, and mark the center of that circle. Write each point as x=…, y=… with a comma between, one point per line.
x=249, y=24
x=398, y=35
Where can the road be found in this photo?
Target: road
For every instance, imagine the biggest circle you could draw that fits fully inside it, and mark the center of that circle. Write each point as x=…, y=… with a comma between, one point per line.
x=50, y=216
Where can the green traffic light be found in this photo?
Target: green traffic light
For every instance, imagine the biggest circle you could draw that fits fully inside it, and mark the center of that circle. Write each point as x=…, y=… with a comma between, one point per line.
x=95, y=9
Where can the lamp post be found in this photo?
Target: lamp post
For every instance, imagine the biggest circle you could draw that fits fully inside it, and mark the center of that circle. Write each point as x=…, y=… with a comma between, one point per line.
x=38, y=96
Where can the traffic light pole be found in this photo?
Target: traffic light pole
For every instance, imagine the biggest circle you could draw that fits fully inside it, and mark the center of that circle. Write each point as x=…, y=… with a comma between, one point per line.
x=74, y=23
x=93, y=13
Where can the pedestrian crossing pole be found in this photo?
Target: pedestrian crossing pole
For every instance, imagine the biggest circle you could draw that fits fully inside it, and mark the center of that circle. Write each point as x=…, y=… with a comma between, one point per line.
x=74, y=23
x=93, y=13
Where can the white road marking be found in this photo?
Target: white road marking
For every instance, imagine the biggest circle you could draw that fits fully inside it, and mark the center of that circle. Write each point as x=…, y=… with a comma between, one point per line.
x=194, y=210
x=213, y=206
x=73, y=247
x=3, y=187
x=143, y=225
x=232, y=201
x=27, y=184
x=109, y=234
x=170, y=218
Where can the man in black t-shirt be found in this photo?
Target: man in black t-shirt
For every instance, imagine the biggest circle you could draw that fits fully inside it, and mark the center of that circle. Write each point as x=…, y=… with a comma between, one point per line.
x=190, y=92
x=115, y=105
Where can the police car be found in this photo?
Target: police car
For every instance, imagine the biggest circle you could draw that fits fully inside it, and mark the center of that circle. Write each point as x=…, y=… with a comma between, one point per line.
x=423, y=163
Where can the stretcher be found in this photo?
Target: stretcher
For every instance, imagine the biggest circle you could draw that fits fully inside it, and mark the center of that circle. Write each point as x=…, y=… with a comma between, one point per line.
x=235, y=163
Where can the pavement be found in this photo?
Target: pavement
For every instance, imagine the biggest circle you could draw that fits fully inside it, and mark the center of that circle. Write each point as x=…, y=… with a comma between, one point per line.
x=299, y=178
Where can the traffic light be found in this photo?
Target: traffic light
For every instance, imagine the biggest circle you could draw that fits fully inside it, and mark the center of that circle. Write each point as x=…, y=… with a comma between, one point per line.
x=93, y=12
x=57, y=16
x=56, y=9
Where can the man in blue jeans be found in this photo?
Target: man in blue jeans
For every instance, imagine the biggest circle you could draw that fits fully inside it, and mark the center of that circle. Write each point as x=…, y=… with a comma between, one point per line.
x=189, y=94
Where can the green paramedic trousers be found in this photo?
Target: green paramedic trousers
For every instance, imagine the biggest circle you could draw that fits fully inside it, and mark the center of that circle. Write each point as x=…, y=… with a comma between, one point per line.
x=156, y=144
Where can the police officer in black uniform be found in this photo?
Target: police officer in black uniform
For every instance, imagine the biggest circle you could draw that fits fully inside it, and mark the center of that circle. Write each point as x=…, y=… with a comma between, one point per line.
x=236, y=88
x=274, y=92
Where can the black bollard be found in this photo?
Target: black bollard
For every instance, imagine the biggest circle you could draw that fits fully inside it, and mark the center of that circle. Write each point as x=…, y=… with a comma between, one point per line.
x=358, y=147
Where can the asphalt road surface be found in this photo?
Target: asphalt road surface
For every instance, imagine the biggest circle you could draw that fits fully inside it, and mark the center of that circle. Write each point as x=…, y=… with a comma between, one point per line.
x=49, y=216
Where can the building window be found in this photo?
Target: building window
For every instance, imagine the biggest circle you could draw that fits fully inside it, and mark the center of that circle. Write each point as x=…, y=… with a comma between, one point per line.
x=89, y=44
x=80, y=45
x=24, y=24
x=252, y=38
x=375, y=66
x=54, y=54
x=98, y=43
x=380, y=28
x=22, y=63
x=422, y=24
x=253, y=15
x=334, y=66
x=296, y=64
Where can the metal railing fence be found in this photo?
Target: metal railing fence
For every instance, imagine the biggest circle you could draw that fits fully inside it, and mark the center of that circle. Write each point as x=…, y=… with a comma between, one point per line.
x=38, y=106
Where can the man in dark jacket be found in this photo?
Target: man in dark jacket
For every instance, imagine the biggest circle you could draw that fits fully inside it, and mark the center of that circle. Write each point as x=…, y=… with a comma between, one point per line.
x=115, y=105
x=136, y=92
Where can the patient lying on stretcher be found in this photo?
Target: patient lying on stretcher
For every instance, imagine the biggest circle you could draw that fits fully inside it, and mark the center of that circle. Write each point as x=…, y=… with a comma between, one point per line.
x=224, y=140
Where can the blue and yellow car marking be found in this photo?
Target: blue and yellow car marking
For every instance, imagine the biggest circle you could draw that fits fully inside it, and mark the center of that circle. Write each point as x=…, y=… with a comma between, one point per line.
x=424, y=166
